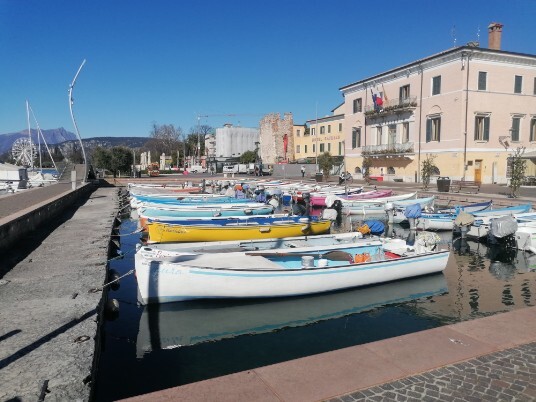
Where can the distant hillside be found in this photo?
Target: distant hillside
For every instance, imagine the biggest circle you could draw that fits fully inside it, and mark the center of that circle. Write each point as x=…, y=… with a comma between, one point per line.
x=53, y=136
x=65, y=141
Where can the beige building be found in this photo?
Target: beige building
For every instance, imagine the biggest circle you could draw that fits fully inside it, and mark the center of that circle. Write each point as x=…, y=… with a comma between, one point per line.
x=325, y=134
x=469, y=107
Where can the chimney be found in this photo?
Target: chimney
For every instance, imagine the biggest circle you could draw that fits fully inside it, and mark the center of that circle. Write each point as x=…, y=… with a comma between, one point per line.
x=494, y=35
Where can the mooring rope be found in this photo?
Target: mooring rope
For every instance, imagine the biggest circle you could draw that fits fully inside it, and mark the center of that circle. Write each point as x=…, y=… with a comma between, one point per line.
x=115, y=280
x=128, y=234
x=118, y=257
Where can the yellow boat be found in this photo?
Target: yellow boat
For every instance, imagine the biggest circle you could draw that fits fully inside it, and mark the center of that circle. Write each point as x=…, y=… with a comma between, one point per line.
x=165, y=233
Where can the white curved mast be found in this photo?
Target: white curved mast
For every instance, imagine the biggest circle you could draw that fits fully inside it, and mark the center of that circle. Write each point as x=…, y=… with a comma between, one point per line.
x=71, y=102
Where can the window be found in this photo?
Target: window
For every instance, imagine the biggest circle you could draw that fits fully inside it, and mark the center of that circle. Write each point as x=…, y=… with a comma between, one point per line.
x=433, y=128
x=321, y=147
x=340, y=124
x=314, y=148
x=322, y=130
x=436, y=85
x=329, y=146
x=305, y=149
x=297, y=149
x=297, y=133
x=532, y=136
x=405, y=132
x=516, y=121
x=390, y=170
x=391, y=134
x=329, y=128
x=404, y=93
x=357, y=169
x=481, y=128
x=340, y=148
x=313, y=131
x=356, y=138
x=518, y=84
x=482, y=80
x=378, y=135
x=357, y=105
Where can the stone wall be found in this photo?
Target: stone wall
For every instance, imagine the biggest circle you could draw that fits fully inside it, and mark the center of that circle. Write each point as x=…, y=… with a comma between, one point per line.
x=272, y=132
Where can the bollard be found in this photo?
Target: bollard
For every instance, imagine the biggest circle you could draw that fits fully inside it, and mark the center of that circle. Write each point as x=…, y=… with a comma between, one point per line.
x=73, y=179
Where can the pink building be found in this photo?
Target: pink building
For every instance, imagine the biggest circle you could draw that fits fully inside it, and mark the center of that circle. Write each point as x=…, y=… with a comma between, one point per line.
x=468, y=107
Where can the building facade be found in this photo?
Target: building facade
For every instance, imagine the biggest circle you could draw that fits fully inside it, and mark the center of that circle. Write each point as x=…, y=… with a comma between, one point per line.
x=276, y=139
x=469, y=108
x=231, y=141
x=325, y=134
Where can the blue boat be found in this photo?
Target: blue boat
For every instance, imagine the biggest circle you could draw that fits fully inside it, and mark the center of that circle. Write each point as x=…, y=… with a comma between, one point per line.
x=208, y=211
x=235, y=220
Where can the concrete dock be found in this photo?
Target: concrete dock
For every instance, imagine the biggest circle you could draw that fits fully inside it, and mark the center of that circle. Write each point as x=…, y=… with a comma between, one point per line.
x=50, y=315
x=49, y=312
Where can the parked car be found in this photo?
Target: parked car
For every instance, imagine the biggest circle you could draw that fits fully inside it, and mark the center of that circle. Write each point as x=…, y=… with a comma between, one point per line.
x=196, y=169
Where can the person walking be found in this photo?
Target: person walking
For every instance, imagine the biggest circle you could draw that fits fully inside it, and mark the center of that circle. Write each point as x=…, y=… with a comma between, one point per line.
x=303, y=171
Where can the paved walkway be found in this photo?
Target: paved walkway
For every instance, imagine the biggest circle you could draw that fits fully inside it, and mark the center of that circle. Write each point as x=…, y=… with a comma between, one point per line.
x=49, y=317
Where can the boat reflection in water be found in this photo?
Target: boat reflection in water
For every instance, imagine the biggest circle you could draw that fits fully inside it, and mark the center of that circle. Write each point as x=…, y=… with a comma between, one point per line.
x=172, y=325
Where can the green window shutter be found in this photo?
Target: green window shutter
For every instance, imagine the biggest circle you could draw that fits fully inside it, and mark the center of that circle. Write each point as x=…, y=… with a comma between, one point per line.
x=486, y=129
x=476, y=128
x=438, y=129
x=428, y=130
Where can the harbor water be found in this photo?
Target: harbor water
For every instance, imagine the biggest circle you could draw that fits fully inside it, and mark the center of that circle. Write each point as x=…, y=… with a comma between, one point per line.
x=149, y=348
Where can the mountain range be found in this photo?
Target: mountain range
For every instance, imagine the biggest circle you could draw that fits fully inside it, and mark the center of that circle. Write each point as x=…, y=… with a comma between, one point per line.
x=65, y=140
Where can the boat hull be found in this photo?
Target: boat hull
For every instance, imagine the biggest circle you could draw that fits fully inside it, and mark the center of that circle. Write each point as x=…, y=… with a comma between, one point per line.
x=163, y=281
x=162, y=233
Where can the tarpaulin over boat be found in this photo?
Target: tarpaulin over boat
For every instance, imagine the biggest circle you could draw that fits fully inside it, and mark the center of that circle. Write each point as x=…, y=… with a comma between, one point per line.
x=413, y=211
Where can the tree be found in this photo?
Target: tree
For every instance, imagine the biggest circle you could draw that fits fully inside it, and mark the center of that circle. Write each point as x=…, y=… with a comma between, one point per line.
x=101, y=158
x=116, y=159
x=248, y=157
x=519, y=167
x=428, y=168
x=198, y=134
x=367, y=164
x=165, y=139
x=121, y=160
x=325, y=163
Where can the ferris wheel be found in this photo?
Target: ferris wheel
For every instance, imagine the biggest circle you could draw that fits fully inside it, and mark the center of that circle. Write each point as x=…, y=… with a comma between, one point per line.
x=23, y=151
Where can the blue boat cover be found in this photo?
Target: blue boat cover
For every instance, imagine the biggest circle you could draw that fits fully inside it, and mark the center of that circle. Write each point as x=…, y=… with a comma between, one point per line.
x=413, y=211
x=376, y=227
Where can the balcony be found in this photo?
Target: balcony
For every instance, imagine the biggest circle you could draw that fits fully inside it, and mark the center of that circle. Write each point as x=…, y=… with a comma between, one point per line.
x=392, y=106
x=405, y=150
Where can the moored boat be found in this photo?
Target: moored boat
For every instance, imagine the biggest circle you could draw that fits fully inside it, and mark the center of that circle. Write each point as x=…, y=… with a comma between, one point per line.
x=162, y=233
x=281, y=273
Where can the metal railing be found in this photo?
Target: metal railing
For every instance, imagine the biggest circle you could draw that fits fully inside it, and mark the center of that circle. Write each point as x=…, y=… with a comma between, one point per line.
x=388, y=149
x=393, y=105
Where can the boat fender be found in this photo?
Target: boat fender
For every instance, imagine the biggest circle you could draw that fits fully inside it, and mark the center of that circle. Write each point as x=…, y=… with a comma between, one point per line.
x=264, y=229
x=113, y=276
x=363, y=257
x=111, y=309
x=363, y=229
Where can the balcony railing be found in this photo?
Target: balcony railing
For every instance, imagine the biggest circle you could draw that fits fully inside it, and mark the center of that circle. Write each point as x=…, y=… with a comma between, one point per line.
x=392, y=106
x=387, y=149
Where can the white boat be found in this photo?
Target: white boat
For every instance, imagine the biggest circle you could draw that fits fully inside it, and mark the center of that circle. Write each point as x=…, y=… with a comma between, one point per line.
x=375, y=201
x=281, y=272
x=481, y=225
x=173, y=325
x=380, y=208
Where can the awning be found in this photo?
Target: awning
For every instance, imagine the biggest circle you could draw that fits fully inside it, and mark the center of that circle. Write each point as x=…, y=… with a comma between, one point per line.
x=529, y=155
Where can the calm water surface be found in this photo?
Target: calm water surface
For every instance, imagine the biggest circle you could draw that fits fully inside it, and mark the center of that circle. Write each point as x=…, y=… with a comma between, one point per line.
x=148, y=348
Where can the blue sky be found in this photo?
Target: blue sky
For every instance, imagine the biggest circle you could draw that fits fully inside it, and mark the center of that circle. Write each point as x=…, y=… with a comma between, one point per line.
x=169, y=62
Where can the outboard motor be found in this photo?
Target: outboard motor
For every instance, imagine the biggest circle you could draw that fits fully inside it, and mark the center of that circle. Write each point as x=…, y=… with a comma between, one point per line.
x=307, y=200
x=334, y=213
x=413, y=212
x=298, y=209
x=462, y=223
x=390, y=210
x=502, y=231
